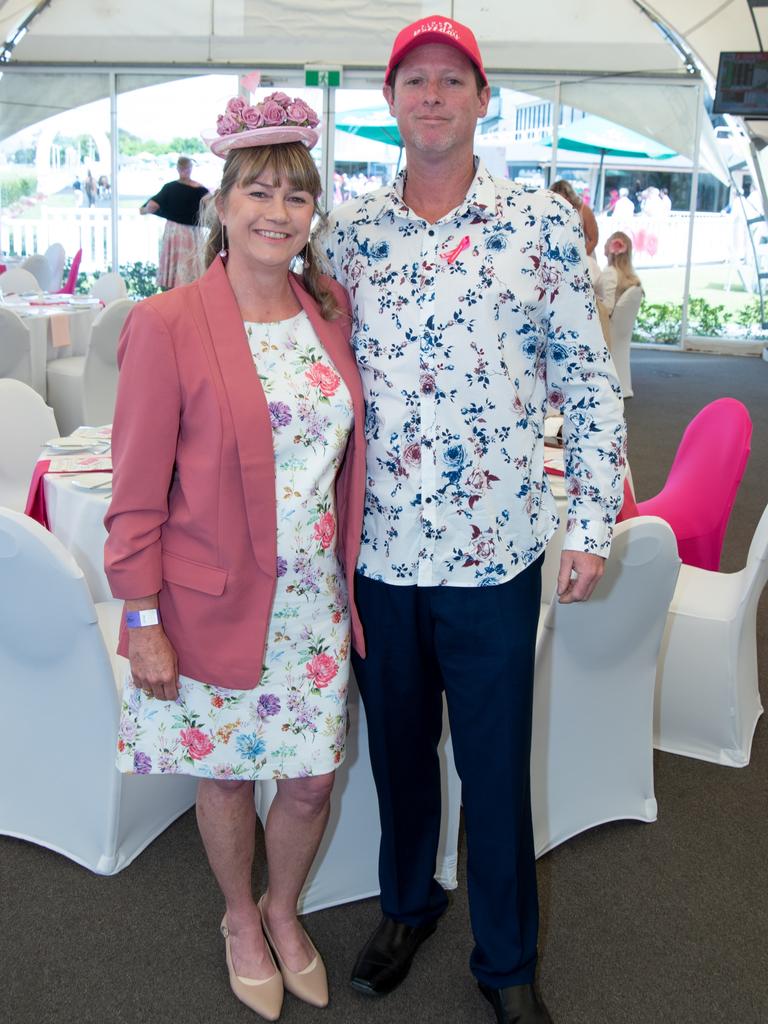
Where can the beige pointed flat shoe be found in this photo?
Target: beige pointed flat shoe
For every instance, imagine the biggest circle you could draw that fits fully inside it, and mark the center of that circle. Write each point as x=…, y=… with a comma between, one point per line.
x=309, y=984
x=263, y=996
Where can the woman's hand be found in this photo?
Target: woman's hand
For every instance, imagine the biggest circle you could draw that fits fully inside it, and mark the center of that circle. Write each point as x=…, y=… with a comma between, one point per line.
x=154, y=665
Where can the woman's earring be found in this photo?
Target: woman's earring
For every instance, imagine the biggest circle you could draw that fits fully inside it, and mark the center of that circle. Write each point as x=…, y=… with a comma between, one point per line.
x=223, y=250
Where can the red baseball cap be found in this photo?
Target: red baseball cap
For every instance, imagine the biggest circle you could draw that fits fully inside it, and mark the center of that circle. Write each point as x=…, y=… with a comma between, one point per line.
x=435, y=29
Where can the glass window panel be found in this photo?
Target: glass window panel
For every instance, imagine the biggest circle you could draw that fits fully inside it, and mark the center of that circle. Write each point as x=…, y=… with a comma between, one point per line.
x=50, y=167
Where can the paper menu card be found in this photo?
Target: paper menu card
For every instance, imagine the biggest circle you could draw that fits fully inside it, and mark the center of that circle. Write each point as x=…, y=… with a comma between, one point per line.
x=104, y=432
x=85, y=463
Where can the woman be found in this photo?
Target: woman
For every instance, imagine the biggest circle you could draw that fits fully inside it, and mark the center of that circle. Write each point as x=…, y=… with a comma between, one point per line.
x=234, y=528
x=619, y=275
x=588, y=223
x=179, y=202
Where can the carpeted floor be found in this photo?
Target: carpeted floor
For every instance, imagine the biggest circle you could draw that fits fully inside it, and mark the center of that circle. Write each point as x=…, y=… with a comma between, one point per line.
x=665, y=922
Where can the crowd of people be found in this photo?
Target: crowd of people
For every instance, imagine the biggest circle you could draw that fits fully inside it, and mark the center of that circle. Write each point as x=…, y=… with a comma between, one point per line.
x=316, y=472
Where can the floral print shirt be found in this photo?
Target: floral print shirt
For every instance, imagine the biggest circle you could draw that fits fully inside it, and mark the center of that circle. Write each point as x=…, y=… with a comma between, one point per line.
x=464, y=331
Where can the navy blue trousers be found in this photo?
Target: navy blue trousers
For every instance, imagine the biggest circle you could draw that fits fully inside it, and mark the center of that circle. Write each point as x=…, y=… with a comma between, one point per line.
x=477, y=645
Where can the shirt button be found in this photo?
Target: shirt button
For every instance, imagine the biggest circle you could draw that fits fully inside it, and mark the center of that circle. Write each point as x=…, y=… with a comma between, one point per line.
x=430, y=232
x=428, y=500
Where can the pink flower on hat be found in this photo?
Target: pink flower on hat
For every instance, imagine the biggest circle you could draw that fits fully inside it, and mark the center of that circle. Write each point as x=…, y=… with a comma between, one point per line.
x=236, y=105
x=273, y=113
x=227, y=124
x=298, y=111
x=617, y=246
x=253, y=117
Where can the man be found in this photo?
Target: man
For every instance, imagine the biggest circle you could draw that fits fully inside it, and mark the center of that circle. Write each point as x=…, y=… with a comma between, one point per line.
x=472, y=310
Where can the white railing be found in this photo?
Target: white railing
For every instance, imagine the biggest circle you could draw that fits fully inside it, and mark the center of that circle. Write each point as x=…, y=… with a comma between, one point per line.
x=717, y=237
x=86, y=229
x=663, y=242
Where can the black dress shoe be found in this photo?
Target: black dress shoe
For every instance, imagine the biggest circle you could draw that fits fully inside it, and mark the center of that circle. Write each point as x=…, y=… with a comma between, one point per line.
x=387, y=956
x=519, y=1004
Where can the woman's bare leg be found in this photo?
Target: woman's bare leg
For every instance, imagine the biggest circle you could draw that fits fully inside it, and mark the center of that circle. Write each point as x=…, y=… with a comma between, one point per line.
x=226, y=817
x=295, y=826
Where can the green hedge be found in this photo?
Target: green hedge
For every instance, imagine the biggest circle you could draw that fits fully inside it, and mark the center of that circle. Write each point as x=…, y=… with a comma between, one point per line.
x=659, y=322
x=14, y=189
x=140, y=279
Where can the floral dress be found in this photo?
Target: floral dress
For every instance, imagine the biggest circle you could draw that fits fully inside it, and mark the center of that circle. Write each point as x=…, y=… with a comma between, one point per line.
x=294, y=722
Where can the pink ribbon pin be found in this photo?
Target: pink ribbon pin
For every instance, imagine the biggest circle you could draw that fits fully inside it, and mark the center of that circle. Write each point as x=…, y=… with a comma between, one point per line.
x=454, y=254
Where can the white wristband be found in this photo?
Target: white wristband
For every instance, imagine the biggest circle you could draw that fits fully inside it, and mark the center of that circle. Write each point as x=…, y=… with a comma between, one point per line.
x=147, y=617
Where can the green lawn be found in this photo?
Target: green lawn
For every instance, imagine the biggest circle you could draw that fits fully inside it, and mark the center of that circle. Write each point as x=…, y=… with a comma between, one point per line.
x=707, y=282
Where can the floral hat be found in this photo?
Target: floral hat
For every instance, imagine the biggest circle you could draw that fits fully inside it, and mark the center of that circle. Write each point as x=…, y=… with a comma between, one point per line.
x=277, y=119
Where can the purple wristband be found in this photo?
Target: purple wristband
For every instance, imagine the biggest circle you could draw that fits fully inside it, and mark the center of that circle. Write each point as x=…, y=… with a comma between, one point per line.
x=148, y=617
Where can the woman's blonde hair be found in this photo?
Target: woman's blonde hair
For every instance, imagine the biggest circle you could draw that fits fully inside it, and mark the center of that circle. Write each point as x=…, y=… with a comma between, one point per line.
x=290, y=162
x=621, y=259
x=567, y=191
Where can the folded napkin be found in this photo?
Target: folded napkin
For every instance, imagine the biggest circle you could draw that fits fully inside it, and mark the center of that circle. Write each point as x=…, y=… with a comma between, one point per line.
x=60, y=330
x=554, y=461
x=35, y=507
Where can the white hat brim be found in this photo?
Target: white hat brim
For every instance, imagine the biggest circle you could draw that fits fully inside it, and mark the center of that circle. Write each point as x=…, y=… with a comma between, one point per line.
x=222, y=145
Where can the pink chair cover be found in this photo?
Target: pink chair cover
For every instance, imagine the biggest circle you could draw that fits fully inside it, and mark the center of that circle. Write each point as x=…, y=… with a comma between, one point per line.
x=69, y=287
x=701, y=486
x=629, y=506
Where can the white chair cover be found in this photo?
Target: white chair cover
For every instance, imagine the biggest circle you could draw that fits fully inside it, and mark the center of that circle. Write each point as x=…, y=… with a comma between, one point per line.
x=346, y=866
x=707, y=694
x=40, y=268
x=100, y=373
x=26, y=423
x=15, y=347
x=622, y=324
x=56, y=258
x=18, y=281
x=592, y=750
x=60, y=704
x=82, y=389
x=109, y=287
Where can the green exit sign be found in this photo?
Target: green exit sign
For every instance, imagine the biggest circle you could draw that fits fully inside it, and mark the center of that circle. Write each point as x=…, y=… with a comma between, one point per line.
x=322, y=76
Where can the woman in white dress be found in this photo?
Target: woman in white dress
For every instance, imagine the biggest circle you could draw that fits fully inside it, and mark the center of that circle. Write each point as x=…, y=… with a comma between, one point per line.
x=611, y=283
x=239, y=473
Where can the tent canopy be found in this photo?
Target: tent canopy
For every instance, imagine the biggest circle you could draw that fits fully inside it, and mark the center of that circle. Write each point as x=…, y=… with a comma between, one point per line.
x=215, y=34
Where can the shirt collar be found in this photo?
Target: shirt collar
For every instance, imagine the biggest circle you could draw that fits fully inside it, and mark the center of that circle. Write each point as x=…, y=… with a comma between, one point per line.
x=480, y=200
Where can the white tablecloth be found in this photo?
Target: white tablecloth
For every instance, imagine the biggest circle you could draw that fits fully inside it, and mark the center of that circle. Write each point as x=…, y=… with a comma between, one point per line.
x=77, y=518
x=37, y=320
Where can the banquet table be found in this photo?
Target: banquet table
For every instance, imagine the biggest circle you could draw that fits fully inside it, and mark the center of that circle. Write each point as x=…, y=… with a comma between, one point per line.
x=76, y=517
x=58, y=326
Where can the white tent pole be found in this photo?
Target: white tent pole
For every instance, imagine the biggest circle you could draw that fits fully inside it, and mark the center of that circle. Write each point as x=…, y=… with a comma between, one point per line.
x=329, y=133
x=692, y=211
x=114, y=148
x=555, y=133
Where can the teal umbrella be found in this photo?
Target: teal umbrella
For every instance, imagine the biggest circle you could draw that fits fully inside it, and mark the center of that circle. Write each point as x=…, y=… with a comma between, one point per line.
x=593, y=134
x=375, y=124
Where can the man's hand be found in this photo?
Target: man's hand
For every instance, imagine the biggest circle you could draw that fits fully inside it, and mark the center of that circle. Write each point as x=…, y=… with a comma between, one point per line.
x=154, y=665
x=578, y=576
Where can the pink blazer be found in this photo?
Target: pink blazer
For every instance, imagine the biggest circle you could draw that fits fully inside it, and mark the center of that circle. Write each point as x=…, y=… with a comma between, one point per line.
x=193, y=515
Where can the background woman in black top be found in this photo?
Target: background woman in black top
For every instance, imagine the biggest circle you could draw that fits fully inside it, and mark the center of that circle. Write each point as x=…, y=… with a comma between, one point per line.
x=178, y=202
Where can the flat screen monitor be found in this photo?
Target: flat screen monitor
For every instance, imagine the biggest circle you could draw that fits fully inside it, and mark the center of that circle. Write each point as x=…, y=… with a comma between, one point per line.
x=742, y=85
